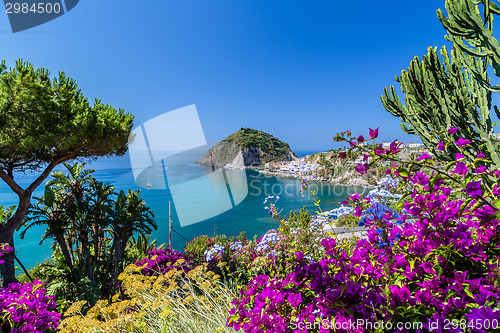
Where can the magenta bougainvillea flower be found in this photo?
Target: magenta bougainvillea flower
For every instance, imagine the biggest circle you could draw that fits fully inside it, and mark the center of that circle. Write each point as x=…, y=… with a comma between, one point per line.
x=461, y=168
x=474, y=189
x=355, y=197
x=4, y=249
x=462, y=142
x=394, y=147
x=160, y=261
x=496, y=190
x=362, y=168
x=438, y=256
x=424, y=156
x=480, y=169
x=373, y=133
x=26, y=308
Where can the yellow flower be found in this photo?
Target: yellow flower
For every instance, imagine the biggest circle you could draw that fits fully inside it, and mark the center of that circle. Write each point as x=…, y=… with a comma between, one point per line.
x=188, y=299
x=179, y=262
x=115, y=298
x=74, y=308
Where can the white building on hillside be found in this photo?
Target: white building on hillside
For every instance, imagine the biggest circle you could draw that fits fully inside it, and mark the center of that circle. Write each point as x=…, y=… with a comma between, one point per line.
x=386, y=145
x=417, y=145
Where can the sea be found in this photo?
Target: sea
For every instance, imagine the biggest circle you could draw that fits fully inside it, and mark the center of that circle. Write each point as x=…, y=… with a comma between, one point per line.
x=249, y=215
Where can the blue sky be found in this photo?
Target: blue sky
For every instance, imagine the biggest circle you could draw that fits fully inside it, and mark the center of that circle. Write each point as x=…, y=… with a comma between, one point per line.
x=300, y=70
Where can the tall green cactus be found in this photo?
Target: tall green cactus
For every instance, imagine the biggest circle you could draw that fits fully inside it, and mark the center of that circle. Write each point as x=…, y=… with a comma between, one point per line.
x=470, y=28
x=453, y=92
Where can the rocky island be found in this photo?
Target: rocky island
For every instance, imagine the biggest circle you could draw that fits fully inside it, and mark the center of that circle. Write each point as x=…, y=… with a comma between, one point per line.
x=247, y=147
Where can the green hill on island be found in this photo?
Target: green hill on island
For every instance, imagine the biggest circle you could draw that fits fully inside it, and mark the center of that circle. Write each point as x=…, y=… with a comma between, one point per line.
x=247, y=147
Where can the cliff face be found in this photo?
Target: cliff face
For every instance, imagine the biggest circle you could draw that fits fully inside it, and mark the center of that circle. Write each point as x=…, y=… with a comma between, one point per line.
x=342, y=170
x=247, y=147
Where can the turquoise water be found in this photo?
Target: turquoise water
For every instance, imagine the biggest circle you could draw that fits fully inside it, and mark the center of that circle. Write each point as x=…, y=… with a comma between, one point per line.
x=249, y=215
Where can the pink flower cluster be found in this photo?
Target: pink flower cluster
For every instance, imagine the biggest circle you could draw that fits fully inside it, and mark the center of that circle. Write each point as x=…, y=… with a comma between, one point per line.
x=26, y=308
x=4, y=249
x=161, y=261
x=434, y=261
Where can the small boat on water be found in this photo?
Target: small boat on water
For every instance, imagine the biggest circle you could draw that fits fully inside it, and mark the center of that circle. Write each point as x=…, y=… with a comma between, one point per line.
x=149, y=185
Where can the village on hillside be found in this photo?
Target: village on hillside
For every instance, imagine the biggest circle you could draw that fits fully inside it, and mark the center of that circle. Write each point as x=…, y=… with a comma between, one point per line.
x=308, y=165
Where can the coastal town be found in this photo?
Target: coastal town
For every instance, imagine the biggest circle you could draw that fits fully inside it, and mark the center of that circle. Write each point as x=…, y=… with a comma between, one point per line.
x=316, y=166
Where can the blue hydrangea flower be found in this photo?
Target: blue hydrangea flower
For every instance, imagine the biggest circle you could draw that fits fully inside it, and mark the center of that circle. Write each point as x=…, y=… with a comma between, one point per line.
x=338, y=212
x=379, y=193
x=378, y=211
x=269, y=238
x=389, y=182
x=236, y=246
x=216, y=249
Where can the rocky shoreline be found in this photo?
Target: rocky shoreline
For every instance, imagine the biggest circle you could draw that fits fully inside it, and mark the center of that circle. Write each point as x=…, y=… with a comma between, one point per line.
x=352, y=182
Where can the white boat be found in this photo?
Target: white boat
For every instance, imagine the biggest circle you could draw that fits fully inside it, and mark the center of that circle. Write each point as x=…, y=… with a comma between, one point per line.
x=149, y=185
